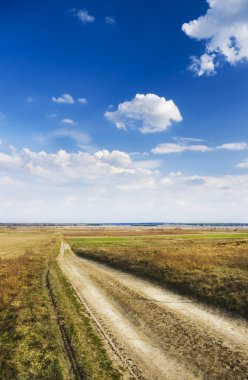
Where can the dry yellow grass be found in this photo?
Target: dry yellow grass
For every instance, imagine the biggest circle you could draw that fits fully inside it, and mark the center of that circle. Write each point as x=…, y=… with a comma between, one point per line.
x=15, y=242
x=31, y=346
x=35, y=301
x=211, y=268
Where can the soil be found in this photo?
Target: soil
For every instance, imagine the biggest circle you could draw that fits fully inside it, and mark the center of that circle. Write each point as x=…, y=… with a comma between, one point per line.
x=156, y=333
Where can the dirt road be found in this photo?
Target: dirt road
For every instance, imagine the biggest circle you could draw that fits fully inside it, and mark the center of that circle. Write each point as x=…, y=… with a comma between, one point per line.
x=156, y=334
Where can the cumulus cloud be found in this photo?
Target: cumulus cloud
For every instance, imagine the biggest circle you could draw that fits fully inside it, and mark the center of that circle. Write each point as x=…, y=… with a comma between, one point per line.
x=64, y=99
x=150, y=113
x=111, y=185
x=204, y=65
x=224, y=27
x=63, y=167
x=184, y=146
x=68, y=121
x=84, y=16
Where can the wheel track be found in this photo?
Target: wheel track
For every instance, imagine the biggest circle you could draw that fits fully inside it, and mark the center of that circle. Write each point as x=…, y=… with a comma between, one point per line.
x=127, y=362
x=75, y=371
x=184, y=342
x=141, y=356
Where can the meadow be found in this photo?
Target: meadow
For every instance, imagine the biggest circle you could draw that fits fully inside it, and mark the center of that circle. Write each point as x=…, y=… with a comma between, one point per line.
x=209, y=266
x=44, y=331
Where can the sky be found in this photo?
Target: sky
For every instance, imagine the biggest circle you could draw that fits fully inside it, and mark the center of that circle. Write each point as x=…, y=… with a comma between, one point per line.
x=115, y=112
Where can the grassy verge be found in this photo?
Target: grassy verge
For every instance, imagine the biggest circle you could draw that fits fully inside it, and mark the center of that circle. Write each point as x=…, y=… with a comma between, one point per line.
x=88, y=348
x=213, y=269
x=30, y=342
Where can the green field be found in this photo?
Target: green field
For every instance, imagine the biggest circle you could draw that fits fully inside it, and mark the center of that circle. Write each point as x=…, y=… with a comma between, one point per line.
x=131, y=240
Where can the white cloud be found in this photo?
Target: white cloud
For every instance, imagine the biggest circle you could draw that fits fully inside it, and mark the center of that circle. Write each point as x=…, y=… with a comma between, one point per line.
x=110, y=186
x=63, y=167
x=64, y=99
x=168, y=148
x=234, y=146
x=183, y=146
x=85, y=17
x=115, y=157
x=110, y=20
x=225, y=29
x=11, y=160
x=82, y=100
x=204, y=65
x=183, y=140
x=113, y=186
x=150, y=113
x=242, y=165
x=68, y=121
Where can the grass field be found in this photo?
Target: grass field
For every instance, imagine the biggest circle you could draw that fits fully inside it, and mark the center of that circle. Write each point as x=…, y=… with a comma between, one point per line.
x=30, y=340
x=37, y=302
x=31, y=343
x=209, y=266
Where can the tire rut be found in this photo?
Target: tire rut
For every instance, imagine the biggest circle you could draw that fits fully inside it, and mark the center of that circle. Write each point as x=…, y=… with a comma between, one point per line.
x=75, y=371
x=160, y=334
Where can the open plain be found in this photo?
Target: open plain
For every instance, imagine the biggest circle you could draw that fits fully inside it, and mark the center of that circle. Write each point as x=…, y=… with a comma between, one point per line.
x=106, y=303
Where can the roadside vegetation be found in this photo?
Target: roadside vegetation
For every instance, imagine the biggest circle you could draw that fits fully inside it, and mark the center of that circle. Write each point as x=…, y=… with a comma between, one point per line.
x=90, y=354
x=37, y=304
x=210, y=267
x=30, y=344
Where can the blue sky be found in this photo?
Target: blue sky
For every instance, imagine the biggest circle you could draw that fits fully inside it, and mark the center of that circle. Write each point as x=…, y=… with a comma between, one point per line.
x=110, y=111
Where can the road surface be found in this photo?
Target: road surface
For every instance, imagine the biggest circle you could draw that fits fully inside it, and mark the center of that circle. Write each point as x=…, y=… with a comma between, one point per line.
x=154, y=333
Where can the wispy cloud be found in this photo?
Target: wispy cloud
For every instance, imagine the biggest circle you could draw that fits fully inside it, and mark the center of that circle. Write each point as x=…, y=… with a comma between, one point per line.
x=82, y=100
x=29, y=99
x=110, y=20
x=168, y=148
x=64, y=99
x=234, y=146
x=51, y=115
x=81, y=139
x=68, y=121
x=184, y=146
x=84, y=16
x=242, y=164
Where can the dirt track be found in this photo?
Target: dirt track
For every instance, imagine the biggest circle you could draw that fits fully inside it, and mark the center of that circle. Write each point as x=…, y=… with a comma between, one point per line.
x=157, y=334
